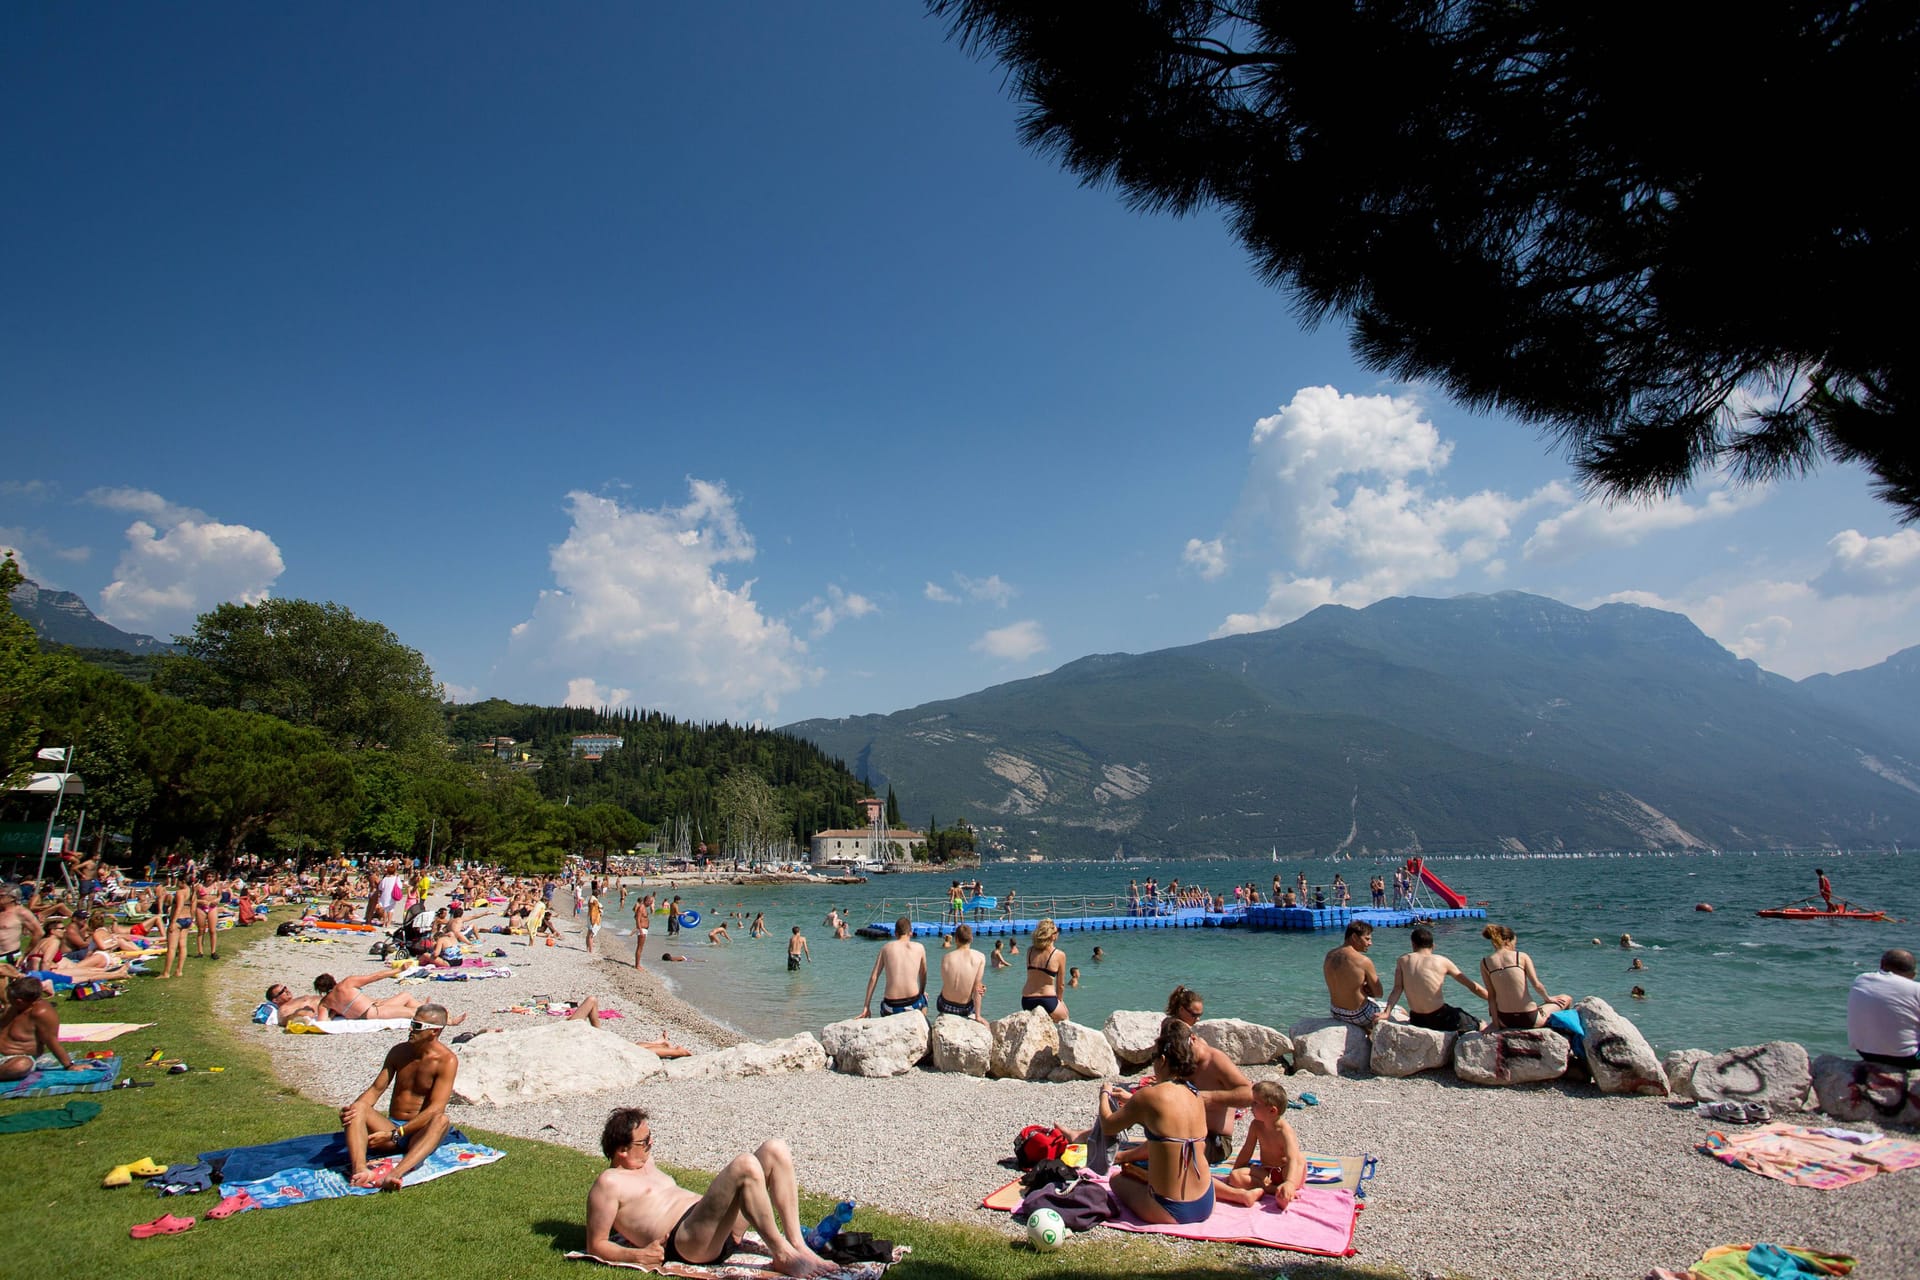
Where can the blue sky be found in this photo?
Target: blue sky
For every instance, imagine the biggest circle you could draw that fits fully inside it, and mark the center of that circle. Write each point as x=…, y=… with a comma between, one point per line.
x=735, y=360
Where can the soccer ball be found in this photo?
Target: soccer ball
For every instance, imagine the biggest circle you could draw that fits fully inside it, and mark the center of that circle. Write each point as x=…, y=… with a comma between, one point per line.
x=1045, y=1231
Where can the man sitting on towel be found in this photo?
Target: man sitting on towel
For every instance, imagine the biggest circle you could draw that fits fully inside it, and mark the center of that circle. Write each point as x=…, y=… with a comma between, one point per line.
x=421, y=1071
x=637, y=1214
x=30, y=1026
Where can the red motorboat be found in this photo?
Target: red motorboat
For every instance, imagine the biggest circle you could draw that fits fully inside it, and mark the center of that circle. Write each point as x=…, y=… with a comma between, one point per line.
x=1801, y=911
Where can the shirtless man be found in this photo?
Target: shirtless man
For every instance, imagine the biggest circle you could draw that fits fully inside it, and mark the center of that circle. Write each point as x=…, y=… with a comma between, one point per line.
x=904, y=961
x=291, y=1006
x=798, y=950
x=29, y=1027
x=659, y=1221
x=344, y=998
x=20, y=929
x=1223, y=1086
x=421, y=1071
x=963, y=987
x=642, y=917
x=1422, y=974
x=1353, y=987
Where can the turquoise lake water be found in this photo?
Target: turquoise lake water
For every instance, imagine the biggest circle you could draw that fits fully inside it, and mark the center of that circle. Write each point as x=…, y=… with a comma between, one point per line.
x=1713, y=980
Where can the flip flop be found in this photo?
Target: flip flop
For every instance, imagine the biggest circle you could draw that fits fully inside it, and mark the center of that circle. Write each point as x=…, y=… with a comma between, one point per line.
x=164, y=1225
x=118, y=1176
x=238, y=1203
x=144, y=1167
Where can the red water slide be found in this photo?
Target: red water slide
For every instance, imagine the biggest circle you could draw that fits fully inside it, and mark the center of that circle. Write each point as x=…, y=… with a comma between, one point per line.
x=1418, y=867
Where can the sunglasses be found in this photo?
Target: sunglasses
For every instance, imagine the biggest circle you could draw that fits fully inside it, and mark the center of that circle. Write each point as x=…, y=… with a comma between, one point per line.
x=424, y=1026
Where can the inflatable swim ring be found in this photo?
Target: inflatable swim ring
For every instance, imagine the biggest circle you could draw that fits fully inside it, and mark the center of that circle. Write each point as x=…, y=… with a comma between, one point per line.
x=688, y=919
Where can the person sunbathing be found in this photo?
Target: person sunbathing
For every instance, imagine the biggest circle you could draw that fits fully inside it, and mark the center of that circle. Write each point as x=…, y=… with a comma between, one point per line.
x=29, y=1027
x=292, y=1007
x=659, y=1221
x=345, y=998
x=421, y=1071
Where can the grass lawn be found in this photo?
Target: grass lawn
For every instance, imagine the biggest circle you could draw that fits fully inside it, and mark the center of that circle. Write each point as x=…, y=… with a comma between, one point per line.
x=514, y=1218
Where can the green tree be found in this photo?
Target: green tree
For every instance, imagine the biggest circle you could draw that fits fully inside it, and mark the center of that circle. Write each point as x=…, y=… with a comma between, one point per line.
x=1550, y=209
x=28, y=678
x=751, y=810
x=893, y=807
x=315, y=665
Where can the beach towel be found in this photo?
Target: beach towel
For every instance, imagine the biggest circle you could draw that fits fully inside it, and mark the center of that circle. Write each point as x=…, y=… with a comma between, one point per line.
x=1321, y=1220
x=314, y=1167
x=95, y=1032
x=71, y=1116
x=1768, y=1262
x=95, y=1076
x=347, y=1026
x=1808, y=1158
x=1338, y=1173
x=747, y=1263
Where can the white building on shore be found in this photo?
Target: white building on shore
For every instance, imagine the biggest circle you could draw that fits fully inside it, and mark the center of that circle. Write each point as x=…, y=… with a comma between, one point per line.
x=875, y=842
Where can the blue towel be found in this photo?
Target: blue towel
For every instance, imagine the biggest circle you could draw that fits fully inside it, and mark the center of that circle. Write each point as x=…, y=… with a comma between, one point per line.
x=314, y=1151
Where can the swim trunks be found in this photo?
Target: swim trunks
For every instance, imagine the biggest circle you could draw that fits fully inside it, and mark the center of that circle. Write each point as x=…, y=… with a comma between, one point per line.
x=1909, y=1063
x=671, y=1244
x=1049, y=1003
x=957, y=1009
x=1446, y=1018
x=1365, y=1016
x=890, y=1007
x=1219, y=1147
x=793, y=962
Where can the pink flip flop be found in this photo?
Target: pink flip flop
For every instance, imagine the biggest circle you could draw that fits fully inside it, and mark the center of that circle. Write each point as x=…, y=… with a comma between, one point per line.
x=233, y=1204
x=164, y=1225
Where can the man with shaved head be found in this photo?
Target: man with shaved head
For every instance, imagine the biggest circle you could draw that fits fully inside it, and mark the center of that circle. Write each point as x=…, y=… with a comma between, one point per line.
x=1883, y=1013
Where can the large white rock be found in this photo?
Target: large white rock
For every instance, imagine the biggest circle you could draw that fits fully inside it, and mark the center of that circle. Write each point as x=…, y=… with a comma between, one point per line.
x=1085, y=1052
x=1679, y=1067
x=876, y=1046
x=1330, y=1048
x=1132, y=1032
x=774, y=1058
x=1402, y=1050
x=1247, y=1043
x=1509, y=1057
x=1619, y=1057
x=1026, y=1046
x=1778, y=1073
x=555, y=1061
x=962, y=1045
x=1856, y=1091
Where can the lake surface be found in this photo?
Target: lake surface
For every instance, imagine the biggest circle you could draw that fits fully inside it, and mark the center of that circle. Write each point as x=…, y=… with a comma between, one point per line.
x=1713, y=980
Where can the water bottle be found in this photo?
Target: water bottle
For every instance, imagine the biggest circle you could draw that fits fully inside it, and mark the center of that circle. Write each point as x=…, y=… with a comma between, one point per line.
x=821, y=1236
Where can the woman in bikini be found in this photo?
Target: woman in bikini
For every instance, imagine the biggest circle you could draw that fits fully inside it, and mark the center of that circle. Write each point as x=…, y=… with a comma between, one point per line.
x=1046, y=973
x=177, y=908
x=206, y=896
x=1508, y=975
x=1176, y=1185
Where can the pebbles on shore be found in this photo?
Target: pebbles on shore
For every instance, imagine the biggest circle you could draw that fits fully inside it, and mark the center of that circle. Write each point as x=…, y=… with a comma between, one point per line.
x=1552, y=1181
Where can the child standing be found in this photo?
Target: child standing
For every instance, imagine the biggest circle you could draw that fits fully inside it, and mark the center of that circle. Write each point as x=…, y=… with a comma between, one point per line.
x=1270, y=1160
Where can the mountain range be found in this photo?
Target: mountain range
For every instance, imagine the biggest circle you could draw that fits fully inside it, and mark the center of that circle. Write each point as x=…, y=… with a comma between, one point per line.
x=61, y=617
x=1503, y=722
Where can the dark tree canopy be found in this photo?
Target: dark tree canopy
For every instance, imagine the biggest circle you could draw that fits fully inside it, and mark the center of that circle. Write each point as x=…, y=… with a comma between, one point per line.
x=1677, y=237
x=308, y=664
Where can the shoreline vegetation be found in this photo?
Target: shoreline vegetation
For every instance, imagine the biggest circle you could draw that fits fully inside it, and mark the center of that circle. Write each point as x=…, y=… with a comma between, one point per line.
x=1468, y=1176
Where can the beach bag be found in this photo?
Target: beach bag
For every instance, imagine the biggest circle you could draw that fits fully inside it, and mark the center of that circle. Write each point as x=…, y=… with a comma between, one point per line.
x=1039, y=1142
x=1081, y=1203
x=290, y=929
x=94, y=991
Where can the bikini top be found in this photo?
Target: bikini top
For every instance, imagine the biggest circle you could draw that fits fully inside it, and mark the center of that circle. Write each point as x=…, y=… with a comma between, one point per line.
x=1189, y=1147
x=1046, y=968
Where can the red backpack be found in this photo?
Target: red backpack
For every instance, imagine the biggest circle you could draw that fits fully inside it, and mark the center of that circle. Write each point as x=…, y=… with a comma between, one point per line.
x=1039, y=1142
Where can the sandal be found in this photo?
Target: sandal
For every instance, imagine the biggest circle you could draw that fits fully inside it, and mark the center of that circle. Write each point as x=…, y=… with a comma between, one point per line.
x=164, y=1225
x=240, y=1202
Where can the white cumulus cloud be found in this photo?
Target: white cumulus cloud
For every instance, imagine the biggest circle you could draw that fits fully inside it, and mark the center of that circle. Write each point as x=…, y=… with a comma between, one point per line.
x=1597, y=524
x=640, y=606
x=1862, y=566
x=837, y=606
x=1339, y=486
x=180, y=562
x=940, y=595
x=585, y=691
x=1207, y=558
x=1015, y=643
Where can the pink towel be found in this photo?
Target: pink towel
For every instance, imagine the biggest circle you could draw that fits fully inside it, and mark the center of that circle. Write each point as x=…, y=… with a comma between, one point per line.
x=1319, y=1220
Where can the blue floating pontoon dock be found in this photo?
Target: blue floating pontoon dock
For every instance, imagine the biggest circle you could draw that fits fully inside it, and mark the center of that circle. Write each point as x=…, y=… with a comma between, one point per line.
x=1257, y=917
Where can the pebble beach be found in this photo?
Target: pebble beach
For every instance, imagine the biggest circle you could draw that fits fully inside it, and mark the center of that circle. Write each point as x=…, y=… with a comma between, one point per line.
x=1544, y=1181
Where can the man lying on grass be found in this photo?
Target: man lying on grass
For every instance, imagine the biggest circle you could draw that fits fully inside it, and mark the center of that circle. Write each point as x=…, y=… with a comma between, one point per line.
x=660, y=1221
x=421, y=1071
